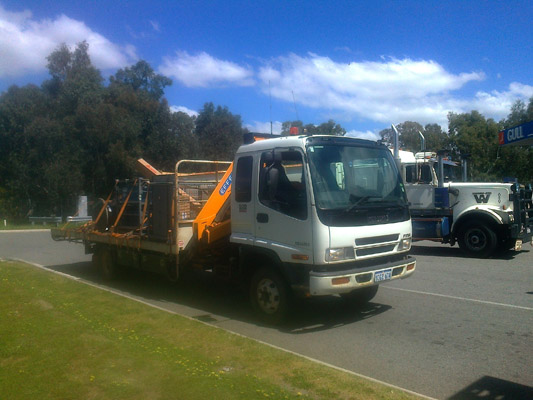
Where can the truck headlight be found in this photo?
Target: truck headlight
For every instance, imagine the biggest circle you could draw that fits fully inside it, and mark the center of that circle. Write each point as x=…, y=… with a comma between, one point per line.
x=343, y=253
x=405, y=244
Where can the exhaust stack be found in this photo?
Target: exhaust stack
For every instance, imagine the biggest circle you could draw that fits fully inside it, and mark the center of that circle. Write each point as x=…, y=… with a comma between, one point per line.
x=440, y=172
x=396, y=153
x=464, y=159
x=422, y=142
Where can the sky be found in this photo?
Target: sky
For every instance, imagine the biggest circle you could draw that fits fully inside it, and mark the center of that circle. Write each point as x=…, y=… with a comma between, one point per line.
x=364, y=64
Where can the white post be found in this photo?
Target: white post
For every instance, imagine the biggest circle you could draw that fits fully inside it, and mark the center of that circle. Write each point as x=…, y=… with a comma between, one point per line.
x=82, y=206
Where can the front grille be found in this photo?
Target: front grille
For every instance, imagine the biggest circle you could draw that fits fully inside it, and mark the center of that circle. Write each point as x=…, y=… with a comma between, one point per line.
x=397, y=271
x=376, y=239
x=363, y=278
x=374, y=250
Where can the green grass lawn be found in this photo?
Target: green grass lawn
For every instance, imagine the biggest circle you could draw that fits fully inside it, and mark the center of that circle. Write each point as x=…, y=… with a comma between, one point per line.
x=61, y=339
x=28, y=226
x=13, y=227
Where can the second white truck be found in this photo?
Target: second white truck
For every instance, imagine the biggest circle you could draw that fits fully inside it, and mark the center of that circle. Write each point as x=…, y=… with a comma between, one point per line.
x=483, y=218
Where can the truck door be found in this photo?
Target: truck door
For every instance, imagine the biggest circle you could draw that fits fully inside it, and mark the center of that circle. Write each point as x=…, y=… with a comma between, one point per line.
x=282, y=210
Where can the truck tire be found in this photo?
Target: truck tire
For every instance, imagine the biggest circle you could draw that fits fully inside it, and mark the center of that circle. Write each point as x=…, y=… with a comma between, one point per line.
x=270, y=295
x=96, y=260
x=360, y=296
x=108, y=267
x=477, y=239
x=172, y=271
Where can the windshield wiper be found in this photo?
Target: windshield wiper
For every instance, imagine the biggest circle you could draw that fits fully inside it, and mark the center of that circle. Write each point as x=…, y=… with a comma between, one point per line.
x=359, y=201
x=393, y=203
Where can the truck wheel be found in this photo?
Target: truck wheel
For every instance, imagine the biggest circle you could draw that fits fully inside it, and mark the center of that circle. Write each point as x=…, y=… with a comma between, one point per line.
x=360, y=296
x=172, y=271
x=96, y=260
x=108, y=266
x=477, y=239
x=270, y=295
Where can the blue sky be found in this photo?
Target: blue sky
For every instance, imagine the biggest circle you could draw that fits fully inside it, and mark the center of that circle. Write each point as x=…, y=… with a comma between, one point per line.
x=365, y=64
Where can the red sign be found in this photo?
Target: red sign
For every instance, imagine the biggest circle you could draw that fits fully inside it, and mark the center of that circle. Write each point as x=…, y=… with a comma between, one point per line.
x=294, y=130
x=501, y=137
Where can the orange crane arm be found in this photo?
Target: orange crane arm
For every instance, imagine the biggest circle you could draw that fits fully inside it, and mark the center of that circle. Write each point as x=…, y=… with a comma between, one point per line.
x=210, y=221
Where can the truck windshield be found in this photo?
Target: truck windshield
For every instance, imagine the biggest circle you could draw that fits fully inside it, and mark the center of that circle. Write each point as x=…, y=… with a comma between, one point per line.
x=356, y=182
x=451, y=172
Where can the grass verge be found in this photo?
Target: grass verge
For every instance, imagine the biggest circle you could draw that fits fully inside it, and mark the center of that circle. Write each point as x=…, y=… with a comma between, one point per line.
x=12, y=227
x=63, y=339
x=15, y=227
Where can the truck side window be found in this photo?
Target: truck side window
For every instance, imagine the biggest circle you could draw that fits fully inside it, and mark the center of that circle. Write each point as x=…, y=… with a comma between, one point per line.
x=425, y=174
x=282, y=183
x=243, y=180
x=410, y=174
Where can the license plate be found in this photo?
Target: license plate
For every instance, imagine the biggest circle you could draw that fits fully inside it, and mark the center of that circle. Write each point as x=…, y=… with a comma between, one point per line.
x=383, y=275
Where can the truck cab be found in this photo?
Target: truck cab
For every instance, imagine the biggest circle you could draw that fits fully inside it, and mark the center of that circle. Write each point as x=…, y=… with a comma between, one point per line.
x=318, y=215
x=483, y=217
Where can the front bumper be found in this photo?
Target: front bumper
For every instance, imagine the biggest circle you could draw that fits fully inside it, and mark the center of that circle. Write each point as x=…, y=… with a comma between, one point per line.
x=523, y=233
x=327, y=283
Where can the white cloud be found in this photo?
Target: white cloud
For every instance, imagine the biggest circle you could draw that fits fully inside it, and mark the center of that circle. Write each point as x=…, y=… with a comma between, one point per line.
x=344, y=49
x=25, y=43
x=389, y=90
x=155, y=26
x=368, y=135
x=185, y=110
x=264, y=127
x=203, y=70
x=494, y=104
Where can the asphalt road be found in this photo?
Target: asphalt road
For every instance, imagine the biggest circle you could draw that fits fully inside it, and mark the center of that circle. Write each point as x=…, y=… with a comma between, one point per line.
x=459, y=328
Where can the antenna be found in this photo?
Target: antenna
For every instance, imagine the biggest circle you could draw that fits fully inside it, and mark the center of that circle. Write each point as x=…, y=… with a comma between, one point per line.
x=294, y=102
x=270, y=96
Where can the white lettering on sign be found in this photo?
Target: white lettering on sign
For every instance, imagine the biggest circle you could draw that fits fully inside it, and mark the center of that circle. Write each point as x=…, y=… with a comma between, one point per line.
x=225, y=186
x=515, y=134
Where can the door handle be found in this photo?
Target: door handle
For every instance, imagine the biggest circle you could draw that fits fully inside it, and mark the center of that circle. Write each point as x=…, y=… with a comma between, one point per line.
x=262, y=218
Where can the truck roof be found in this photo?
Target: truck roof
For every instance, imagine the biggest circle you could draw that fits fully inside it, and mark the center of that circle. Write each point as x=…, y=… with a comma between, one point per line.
x=406, y=157
x=300, y=141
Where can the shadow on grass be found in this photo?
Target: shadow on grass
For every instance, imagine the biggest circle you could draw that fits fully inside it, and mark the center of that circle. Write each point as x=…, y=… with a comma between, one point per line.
x=212, y=300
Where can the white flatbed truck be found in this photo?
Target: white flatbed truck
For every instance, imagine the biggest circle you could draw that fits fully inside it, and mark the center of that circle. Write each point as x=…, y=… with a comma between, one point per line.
x=309, y=215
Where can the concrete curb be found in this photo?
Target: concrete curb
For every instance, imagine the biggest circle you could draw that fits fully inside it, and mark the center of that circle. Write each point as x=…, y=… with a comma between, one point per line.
x=23, y=230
